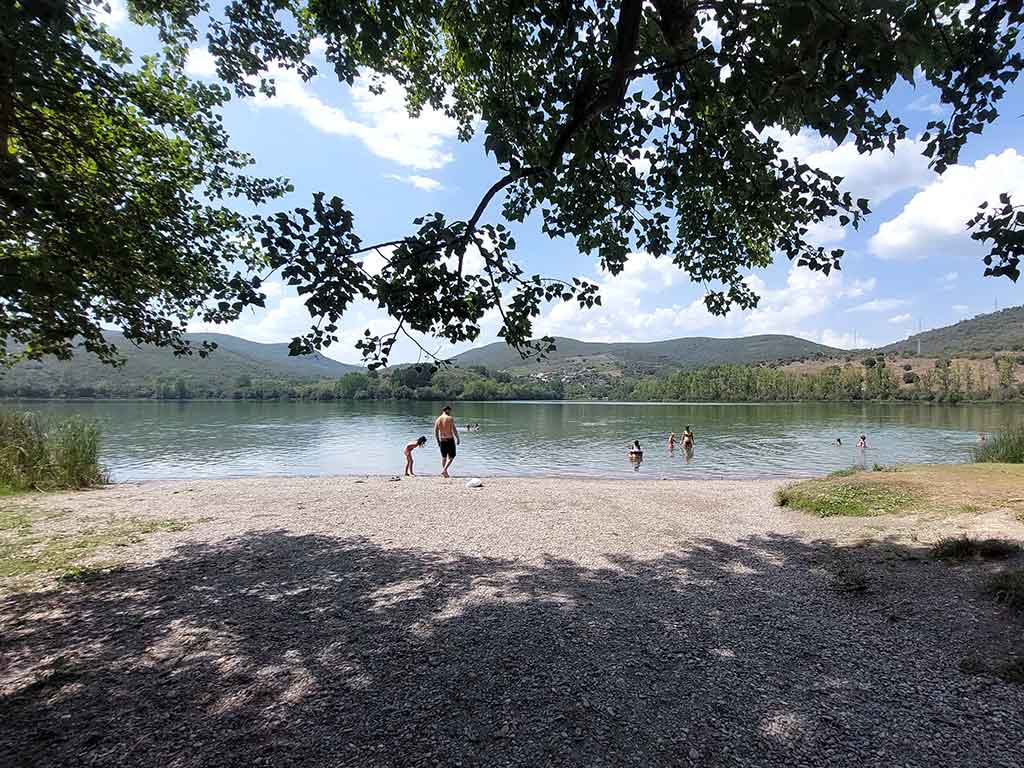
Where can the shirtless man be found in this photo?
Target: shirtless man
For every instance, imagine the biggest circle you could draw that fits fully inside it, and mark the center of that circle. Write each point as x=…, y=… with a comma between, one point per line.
x=447, y=436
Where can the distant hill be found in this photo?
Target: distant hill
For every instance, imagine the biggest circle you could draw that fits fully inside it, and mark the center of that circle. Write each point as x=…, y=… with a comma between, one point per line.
x=240, y=368
x=992, y=332
x=234, y=362
x=693, y=352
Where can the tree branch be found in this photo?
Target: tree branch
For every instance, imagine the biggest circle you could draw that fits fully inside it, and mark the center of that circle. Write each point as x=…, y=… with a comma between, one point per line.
x=627, y=34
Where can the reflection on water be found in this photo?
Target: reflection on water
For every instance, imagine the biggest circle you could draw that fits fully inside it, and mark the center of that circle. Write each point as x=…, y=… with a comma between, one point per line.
x=148, y=440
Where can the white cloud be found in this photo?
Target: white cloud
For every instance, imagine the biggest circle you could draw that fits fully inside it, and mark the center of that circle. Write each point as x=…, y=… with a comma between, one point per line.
x=825, y=232
x=709, y=28
x=638, y=305
x=626, y=312
x=933, y=223
x=382, y=122
x=420, y=182
x=960, y=309
x=876, y=176
x=641, y=164
x=899, y=319
x=113, y=15
x=317, y=46
x=832, y=338
x=860, y=287
x=374, y=261
x=200, y=63
x=879, y=305
x=287, y=317
x=927, y=104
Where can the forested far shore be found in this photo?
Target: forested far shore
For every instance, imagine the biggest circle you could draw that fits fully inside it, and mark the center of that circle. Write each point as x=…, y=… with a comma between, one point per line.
x=875, y=377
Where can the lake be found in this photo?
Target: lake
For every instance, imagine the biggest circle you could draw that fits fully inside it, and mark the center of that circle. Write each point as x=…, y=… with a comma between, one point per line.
x=161, y=439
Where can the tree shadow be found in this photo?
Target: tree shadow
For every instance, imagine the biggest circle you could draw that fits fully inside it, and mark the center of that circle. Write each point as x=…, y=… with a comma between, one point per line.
x=280, y=649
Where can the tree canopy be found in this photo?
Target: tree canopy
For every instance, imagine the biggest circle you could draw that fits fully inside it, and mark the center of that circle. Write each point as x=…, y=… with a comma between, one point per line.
x=114, y=181
x=626, y=125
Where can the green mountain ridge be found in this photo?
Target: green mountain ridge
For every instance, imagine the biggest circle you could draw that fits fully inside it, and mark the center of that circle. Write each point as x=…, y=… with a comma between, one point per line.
x=686, y=353
x=994, y=331
x=240, y=368
x=146, y=369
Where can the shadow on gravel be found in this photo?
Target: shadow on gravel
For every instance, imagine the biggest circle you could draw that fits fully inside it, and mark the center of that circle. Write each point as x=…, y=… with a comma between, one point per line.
x=277, y=649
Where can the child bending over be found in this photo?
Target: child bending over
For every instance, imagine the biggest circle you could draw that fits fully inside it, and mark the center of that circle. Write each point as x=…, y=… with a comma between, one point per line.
x=417, y=443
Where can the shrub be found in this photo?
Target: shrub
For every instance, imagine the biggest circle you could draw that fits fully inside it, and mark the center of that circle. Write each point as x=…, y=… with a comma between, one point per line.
x=43, y=454
x=964, y=547
x=1007, y=447
x=1008, y=588
x=910, y=378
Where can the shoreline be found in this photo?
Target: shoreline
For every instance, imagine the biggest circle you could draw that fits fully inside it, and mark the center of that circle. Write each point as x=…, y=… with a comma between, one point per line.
x=456, y=479
x=930, y=403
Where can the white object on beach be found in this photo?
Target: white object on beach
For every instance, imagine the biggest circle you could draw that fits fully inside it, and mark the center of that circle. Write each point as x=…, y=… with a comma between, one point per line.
x=474, y=482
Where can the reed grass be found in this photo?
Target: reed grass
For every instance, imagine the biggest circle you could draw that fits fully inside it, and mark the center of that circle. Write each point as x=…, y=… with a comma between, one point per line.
x=1007, y=447
x=45, y=454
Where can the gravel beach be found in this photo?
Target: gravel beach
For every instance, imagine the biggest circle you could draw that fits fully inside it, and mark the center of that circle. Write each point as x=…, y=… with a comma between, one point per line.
x=530, y=622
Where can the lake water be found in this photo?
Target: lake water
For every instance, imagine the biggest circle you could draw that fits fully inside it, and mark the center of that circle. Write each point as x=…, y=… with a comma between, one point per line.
x=158, y=440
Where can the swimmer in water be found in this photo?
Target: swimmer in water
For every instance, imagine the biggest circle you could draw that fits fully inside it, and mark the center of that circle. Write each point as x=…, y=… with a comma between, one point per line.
x=672, y=441
x=839, y=441
x=687, y=439
x=636, y=455
x=862, y=443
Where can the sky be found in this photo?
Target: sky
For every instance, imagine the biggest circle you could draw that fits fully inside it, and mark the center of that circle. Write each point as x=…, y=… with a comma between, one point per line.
x=912, y=264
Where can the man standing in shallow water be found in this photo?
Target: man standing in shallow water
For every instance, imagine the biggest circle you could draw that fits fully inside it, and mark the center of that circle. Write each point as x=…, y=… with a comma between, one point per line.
x=447, y=436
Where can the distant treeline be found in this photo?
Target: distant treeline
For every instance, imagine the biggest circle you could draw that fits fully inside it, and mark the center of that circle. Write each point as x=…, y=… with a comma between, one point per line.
x=872, y=378
x=405, y=383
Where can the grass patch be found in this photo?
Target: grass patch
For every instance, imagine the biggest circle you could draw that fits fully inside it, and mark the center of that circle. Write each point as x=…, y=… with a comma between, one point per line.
x=1005, y=448
x=37, y=453
x=825, y=498
x=25, y=552
x=965, y=548
x=848, y=472
x=14, y=520
x=1008, y=588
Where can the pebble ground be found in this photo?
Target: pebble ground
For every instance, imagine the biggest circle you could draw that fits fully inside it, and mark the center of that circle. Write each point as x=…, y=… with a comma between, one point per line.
x=363, y=622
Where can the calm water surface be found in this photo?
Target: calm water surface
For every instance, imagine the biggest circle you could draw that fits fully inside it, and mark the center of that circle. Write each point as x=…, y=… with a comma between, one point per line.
x=159, y=440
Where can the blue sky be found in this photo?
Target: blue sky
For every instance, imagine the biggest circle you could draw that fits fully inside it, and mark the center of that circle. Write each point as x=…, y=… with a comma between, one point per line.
x=912, y=262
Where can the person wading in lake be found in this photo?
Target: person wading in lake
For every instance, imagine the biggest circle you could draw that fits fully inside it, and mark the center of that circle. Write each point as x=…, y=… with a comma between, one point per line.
x=687, y=439
x=447, y=436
